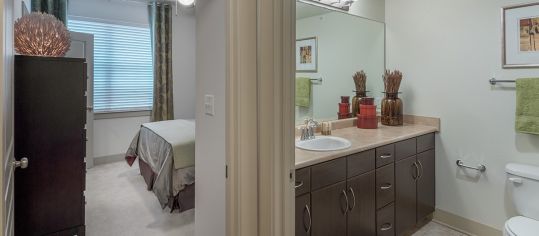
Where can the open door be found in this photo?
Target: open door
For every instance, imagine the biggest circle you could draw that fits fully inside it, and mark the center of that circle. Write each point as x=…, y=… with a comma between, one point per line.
x=82, y=46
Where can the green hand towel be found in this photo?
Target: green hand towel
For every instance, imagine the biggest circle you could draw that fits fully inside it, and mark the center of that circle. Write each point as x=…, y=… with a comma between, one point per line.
x=527, y=114
x=303, y=92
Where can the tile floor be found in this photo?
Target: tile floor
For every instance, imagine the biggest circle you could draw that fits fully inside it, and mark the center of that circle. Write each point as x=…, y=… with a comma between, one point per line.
x=118, y=204
x=435, y=229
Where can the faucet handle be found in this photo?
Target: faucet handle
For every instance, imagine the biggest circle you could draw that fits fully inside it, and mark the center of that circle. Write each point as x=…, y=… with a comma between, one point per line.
x=313, y=123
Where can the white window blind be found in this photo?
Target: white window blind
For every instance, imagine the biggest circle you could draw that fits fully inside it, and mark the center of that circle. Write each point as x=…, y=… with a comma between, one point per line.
x=123, y=75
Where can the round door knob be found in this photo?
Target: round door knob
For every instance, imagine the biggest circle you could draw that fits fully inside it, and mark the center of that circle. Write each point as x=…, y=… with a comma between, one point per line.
x=23, y=163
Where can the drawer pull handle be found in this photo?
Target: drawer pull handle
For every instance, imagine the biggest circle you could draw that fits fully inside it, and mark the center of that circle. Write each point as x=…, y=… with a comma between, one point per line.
x=386, y=227
x=298, y=184
x=354, y=197
x=308, y=228
x=386, y=187
x=385, y=156
x=346, y=200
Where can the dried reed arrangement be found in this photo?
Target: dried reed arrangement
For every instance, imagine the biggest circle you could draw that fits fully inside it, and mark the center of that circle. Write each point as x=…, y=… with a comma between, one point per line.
x=360, y=79
x=392, y=81
x=39, y=34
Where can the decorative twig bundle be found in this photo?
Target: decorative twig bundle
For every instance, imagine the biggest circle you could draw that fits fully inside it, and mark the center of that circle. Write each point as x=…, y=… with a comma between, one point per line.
x=360, y=79
x=40, y=34
x=392, y=81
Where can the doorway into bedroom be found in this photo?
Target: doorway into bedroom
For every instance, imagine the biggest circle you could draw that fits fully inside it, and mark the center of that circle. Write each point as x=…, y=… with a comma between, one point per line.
x=140, y=154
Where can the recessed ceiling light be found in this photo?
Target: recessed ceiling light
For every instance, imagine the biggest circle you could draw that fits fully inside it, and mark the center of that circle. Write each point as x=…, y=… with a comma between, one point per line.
x=187, y=2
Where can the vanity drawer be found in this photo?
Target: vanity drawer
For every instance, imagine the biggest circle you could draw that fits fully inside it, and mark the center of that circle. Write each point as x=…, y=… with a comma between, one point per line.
x=425, y=142
x=385, y=185
x=303, y=181
x=360, y=163
x=404, y=149
x=328, y=173
x=385, y=221
x=385, y=155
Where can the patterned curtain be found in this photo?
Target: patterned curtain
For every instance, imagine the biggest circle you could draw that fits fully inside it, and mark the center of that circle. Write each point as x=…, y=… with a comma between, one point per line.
x=57, y=8
x=161, y=33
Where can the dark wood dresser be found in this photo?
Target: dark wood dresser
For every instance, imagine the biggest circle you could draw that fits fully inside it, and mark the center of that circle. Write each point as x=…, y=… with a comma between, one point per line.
x=50, y=118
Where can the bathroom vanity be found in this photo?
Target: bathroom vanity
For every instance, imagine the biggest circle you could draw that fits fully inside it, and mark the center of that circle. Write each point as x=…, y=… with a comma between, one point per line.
x=384, y=184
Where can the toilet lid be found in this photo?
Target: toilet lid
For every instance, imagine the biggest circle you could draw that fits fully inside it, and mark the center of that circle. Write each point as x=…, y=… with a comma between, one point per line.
x=522, y=226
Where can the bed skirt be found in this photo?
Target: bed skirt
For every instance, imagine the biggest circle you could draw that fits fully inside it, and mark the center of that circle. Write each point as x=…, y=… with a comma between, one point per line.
x=183, y=201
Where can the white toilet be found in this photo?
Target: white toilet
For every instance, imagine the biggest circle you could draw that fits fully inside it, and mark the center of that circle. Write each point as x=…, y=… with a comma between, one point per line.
x=524, y=187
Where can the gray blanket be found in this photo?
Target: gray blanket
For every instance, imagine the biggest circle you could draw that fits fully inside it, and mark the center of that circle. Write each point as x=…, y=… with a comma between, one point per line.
x=153, y=149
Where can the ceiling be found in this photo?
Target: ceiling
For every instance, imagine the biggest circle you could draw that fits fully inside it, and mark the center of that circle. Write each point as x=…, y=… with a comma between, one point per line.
x=304, y=10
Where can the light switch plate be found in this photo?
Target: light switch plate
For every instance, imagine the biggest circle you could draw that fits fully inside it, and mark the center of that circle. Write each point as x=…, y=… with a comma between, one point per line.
x=209, y=105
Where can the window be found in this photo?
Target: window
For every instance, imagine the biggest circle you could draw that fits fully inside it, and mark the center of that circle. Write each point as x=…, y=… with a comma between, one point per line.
x=123, y=73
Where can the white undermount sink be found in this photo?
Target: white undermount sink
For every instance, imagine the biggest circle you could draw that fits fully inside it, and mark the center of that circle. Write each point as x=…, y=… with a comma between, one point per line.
x=323, y=144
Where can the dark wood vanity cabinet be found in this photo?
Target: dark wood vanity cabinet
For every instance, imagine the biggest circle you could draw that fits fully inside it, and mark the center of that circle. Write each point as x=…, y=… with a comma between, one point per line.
x=303, y=215
x=415, y=185
x=362, y=210
x=384, y=191
x=329, y=210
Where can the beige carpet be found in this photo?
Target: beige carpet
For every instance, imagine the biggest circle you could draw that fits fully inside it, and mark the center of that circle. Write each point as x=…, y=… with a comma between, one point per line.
x=119, y=204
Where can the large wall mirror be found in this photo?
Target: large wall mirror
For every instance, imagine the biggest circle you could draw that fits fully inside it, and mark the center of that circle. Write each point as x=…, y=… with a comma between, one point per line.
x=332, y=45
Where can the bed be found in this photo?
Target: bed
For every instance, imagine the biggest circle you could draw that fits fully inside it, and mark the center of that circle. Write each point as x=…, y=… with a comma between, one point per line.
x=166, y=156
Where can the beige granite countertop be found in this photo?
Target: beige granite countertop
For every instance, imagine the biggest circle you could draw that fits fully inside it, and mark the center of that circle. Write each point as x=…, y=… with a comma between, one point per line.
x=363, y=139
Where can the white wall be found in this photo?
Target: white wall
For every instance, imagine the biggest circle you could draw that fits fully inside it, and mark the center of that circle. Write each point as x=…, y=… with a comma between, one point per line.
x=115, y=10
x=183, y=62
x=113, y=136
x=346, y=44
x=447, y=51
x=372, y=9
x=210, y=130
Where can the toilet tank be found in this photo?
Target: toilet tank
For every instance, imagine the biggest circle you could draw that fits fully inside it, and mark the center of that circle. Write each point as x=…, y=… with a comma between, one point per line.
x=523, y=185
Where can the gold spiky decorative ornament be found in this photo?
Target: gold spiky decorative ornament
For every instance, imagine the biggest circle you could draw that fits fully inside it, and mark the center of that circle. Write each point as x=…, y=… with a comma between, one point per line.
x=39, y=34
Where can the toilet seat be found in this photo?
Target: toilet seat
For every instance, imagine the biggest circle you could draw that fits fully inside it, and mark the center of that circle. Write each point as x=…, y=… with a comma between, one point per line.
x=521, y=226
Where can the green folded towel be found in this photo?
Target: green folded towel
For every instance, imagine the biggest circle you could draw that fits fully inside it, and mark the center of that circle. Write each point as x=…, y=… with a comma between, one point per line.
x=527, y=114
x=303, y=92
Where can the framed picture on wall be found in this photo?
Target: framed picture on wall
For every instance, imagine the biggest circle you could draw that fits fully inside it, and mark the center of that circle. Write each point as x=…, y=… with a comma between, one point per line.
x=306, y=55
x=520, y=36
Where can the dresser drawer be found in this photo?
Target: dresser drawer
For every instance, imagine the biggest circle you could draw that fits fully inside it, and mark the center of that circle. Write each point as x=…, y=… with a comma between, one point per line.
x=406, y=148
x=385, y=221
x=303, y=181
x=360, y=163
x=328, y=173
x=425, y=142
x=385, y=155
x=385, y=185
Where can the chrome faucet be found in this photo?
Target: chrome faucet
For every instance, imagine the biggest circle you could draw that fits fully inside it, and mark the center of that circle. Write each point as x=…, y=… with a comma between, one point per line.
x=309, y=129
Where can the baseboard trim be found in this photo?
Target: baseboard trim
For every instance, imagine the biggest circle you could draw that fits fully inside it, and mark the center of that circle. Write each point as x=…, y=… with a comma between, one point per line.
x=108, y=159
x=464, y=225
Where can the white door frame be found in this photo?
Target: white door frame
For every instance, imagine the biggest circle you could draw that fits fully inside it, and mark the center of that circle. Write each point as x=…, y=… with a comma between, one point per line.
x=6, y=119
x=260, y=122
x=88, y=41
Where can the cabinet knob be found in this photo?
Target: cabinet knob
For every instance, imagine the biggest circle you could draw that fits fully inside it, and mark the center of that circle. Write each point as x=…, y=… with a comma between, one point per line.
x=23, y=163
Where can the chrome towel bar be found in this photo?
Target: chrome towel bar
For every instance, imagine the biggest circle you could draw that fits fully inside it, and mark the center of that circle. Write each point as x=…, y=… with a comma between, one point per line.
x=493, y=81
x=480, y=168
x=319, y=80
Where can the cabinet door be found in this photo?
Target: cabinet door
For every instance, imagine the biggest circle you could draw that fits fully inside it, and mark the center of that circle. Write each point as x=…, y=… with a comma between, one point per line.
x=426, y=184
x=329, y=209
x=361, y=217
x=406, y=172
x=303, y=215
